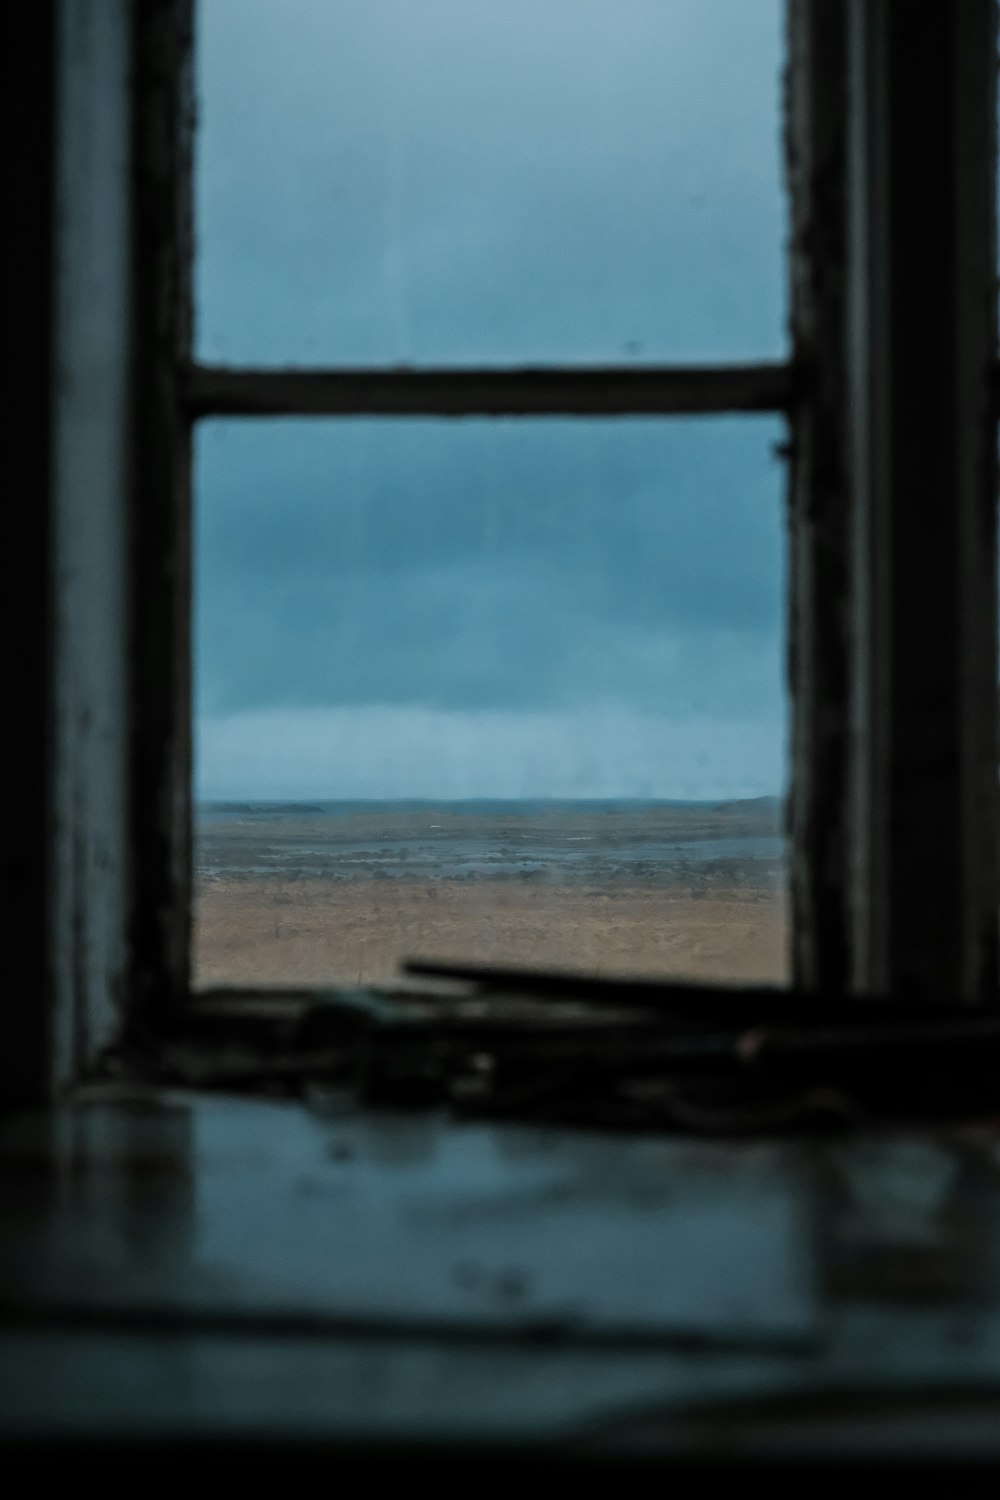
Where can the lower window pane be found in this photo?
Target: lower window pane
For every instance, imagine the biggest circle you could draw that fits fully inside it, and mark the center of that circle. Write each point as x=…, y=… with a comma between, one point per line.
x=505, y=691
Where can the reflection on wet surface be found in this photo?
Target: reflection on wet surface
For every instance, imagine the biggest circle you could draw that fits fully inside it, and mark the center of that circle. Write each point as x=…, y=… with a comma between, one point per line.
x=240, y=1207
x=205, y=1265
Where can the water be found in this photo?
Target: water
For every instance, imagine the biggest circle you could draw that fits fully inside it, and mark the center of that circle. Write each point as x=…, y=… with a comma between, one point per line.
x=565, y=842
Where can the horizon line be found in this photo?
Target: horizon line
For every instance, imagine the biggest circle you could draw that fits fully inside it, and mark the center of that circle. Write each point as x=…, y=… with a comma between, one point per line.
x=298, y=800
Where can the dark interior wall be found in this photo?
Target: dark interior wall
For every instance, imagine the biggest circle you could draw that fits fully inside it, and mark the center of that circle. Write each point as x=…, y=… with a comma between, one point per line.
x=29, y=88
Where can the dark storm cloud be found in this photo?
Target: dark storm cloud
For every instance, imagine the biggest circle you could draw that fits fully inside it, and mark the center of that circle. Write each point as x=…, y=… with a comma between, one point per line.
x=484, y=564
x=508, y=181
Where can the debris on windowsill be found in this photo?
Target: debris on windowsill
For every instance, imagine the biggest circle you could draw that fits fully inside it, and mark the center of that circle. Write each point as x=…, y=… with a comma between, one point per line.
x=569, y=1049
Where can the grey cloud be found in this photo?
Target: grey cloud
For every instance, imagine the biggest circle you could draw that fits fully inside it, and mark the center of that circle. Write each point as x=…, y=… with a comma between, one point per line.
x=504, y=179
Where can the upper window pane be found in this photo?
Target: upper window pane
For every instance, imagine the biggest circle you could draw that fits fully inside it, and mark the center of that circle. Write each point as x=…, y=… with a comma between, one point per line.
x=489, y=181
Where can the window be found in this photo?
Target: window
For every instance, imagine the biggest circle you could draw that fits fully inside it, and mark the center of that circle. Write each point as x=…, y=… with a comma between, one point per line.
x=511, y=182
x=497, y=688
x=456, y=679
x=848, y=743
x=889, y=388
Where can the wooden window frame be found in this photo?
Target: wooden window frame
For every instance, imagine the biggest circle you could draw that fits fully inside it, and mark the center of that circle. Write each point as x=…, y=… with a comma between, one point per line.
x=894, y=814
x=927, y=925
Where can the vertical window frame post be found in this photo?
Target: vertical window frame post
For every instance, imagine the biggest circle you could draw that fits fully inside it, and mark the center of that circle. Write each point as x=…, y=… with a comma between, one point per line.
x=161, y=513
x=922, y=458
x=819, y=498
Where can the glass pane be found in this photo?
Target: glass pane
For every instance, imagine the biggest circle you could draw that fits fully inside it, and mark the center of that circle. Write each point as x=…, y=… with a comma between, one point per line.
x=489, y=180
x=490, y=690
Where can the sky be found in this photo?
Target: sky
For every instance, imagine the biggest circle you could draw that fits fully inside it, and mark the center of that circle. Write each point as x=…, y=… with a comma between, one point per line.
x=473, y=608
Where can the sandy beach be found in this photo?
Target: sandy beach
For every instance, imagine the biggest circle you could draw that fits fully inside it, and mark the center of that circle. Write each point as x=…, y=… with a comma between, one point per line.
x=265, y=932
x=344, y=894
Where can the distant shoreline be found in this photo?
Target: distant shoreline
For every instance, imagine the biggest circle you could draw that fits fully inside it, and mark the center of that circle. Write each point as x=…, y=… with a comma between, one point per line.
x=586, y=842
x=317, y=807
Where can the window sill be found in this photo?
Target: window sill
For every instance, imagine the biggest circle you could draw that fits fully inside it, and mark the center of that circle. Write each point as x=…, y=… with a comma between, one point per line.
x=203, y=1267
